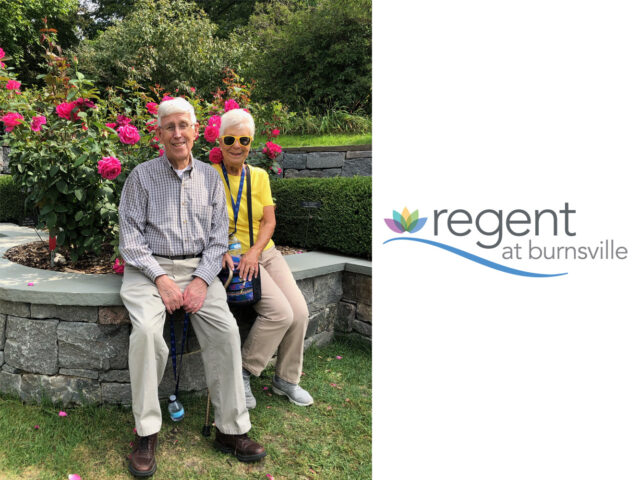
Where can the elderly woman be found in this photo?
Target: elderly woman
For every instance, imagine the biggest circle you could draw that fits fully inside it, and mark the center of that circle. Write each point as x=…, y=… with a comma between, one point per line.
x=283, y=316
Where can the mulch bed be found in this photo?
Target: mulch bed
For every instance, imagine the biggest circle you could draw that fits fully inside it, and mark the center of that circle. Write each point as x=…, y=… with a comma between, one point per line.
x=36, y=255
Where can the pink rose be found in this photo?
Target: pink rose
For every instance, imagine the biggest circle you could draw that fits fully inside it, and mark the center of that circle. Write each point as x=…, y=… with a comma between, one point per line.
x=151, y=125
x=193, y=89
x=161, y=152
x=128, y=134
x=65, y=109
x=2, y=65
x=1, y=53
x=83, y=103
x=13, y=85
x=37, y=122
x=11, y=120
x=211, y=133
x=275, y=132
x=123, y=120
x=118, y=267
x=214, y=121
x=271, y=150
x=152, y=108
x=167, y=97
x=215, y=155
x=230, y=104
x=109, y=167
x=111, y=125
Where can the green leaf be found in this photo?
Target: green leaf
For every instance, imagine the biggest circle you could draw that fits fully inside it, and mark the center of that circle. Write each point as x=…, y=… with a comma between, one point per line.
x=79, y=195
x=80, y=160
x=46, y=209
x=79, y=214
x=61, y=185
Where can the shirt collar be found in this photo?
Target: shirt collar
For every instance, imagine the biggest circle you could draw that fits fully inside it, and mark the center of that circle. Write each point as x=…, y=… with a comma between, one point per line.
x=167, y=163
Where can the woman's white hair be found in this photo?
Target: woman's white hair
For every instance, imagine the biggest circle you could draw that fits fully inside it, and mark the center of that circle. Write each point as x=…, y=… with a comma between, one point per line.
x=236, y=118
x=175, y=105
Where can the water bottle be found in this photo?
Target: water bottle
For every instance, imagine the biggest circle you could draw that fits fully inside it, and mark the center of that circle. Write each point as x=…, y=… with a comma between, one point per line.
x=176, y=411
x=235, y=249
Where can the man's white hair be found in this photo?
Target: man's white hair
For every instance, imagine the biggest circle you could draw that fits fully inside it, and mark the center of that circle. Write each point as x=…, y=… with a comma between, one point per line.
x=175, y=105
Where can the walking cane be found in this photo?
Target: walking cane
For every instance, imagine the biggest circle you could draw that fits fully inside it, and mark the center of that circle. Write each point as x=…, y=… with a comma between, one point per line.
x=206, y=429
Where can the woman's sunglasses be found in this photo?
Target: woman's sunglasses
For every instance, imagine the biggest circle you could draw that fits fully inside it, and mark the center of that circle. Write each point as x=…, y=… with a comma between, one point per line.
x=229, y=140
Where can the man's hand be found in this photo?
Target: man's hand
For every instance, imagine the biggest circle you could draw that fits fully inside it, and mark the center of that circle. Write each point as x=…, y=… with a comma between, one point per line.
x=194, y=295
x=169, y=292
x=227, y=262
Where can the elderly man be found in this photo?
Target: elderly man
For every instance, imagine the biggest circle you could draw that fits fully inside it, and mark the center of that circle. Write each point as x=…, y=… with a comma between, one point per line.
x=173, y=237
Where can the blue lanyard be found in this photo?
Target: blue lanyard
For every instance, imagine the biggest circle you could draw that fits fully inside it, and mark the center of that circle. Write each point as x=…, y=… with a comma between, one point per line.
x=236, y=205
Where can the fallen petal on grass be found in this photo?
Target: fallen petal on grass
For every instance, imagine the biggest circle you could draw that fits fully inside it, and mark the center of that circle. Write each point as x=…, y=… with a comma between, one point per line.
x=269, y=476
x=37, y=427
x=265, y=388
x=338, y=357
x=30, y=284
x=62, y=413
x=75, y=476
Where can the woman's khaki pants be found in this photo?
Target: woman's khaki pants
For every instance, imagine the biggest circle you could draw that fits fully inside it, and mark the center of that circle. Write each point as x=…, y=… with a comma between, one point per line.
x=281, y=323
x=217, y=334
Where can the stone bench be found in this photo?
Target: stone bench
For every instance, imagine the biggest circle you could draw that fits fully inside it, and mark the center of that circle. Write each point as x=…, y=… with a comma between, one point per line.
x=66, y=338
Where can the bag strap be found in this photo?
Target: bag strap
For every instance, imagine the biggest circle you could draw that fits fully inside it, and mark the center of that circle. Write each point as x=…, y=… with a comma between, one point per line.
x=176, y=371
x=249, y=206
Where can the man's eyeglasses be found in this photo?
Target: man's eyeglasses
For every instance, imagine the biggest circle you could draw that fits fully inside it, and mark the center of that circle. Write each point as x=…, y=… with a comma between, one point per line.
x=181, y=127
x=229, y=140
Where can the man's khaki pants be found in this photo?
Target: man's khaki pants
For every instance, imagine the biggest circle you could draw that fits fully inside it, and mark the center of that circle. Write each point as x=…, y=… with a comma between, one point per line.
x=281, y=323
x=217, y=334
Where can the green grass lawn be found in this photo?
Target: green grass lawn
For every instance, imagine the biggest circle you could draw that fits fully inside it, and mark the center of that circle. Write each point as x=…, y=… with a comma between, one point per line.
x=329, y=440
x=320, y=140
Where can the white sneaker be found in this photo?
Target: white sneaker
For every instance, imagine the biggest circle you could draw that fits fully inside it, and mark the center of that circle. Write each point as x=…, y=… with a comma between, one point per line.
x=294, y=392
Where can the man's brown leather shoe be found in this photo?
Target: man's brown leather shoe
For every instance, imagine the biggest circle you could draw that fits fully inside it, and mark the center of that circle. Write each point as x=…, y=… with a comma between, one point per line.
x=245, y=449
x=142, y=462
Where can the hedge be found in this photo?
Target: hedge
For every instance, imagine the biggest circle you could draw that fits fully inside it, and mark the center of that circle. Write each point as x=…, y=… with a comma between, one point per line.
x=330, y=214
x=11, y=200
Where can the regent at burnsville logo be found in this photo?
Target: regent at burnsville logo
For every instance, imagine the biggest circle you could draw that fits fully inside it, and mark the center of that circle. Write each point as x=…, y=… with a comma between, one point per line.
x=496, y=230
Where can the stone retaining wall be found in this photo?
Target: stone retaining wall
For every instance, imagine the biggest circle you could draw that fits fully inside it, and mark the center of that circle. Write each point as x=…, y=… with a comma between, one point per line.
x=326, y=161
x=79, y=354
x=299, y=162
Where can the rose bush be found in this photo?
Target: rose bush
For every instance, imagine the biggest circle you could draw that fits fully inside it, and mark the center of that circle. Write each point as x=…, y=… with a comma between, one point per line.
x=71, y=150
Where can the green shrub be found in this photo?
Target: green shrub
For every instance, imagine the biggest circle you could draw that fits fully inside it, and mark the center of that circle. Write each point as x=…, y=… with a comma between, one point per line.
x=314, y=56
x=341, y=223
x=11, y=200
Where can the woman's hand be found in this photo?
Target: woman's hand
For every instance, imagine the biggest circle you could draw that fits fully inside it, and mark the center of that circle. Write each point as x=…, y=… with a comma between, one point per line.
x=248, y=267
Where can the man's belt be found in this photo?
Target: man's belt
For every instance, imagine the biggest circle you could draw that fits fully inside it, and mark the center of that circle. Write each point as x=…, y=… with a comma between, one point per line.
x=180, y=257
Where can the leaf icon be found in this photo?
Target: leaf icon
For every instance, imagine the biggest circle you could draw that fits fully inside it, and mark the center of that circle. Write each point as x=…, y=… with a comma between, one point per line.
x=394, y=225
x=417, y=225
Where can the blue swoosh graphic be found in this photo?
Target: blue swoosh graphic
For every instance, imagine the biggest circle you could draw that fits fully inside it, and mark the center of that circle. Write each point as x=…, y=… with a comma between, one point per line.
x=477, y=259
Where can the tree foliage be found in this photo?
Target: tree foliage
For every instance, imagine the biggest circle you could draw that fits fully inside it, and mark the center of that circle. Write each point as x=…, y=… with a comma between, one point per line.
x=165, y=42
x=227, y=14
x=315, y=57
x=20, y=25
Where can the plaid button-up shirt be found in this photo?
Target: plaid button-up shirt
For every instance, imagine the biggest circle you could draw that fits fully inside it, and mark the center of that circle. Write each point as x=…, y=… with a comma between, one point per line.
x=162, y=214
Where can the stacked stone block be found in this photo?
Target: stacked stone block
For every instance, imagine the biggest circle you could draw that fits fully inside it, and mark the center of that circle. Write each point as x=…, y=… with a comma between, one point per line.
x=354, y=310
x=313, y=163
x=79, y=354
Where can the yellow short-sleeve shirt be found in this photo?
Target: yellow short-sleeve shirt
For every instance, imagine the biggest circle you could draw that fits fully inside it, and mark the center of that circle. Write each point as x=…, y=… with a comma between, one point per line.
x=260, y=198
